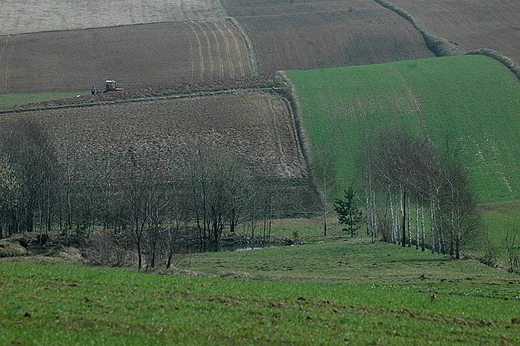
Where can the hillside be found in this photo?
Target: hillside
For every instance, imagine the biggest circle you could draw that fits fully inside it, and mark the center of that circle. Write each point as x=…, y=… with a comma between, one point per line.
x=344, y=290
x=318, y=34
x=473, y=99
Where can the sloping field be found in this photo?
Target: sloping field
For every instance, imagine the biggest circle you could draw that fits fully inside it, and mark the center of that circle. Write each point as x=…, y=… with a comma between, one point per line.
x=472, y=24
x=317, y=34
x=257, y=127
x=136, y=56
x=24, y=16
x=473, y=99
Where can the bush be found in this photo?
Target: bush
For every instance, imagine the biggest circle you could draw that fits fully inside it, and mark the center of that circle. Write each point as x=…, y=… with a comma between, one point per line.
x=24, y=242
x=11, y=250
x=42, y=238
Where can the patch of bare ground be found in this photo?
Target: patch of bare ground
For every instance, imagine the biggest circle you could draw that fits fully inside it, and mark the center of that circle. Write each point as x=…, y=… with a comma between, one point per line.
x=317, y=34
x=256, y=126
x=24, y=16
x=136, y=56
x=471, y=24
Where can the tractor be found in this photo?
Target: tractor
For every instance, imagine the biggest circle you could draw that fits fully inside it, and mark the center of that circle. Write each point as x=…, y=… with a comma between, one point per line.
x=110, y=85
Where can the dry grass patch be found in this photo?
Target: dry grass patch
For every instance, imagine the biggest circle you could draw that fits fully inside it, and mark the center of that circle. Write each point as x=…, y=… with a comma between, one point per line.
x=22, y=16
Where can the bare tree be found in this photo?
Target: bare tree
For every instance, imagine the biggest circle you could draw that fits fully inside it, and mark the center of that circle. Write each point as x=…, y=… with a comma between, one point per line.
x=221, y=186
x=10, y=193
x=409, y=169
x=32, y=159
x=324, y=172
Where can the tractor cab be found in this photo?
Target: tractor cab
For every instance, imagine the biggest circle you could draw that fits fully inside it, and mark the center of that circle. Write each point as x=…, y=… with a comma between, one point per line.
x=110, y=85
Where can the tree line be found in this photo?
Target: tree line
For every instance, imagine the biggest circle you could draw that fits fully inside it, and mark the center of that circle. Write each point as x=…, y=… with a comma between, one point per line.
x=419, y=194
x=414, y=193
x=140, y=207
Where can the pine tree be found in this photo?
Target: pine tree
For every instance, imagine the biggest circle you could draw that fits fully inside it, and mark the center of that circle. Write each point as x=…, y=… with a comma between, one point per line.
x=348, y=212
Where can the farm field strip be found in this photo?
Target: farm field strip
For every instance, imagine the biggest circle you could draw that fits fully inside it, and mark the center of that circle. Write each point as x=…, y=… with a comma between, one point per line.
x=472, y=24
x=325, y=34
x=23, y=16
x=474, y=99
x=167, y=128
x=136, y=56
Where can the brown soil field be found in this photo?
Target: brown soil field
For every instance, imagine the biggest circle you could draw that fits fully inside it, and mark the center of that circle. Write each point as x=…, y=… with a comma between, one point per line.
x=163, y=132
x=24, y=16
x=471, y=24
x=309, y=34
x=135, y=56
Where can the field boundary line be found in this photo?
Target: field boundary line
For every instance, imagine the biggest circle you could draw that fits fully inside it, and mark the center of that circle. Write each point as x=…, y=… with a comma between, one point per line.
x=196, y=94
x=291, y=97
x=249, y=44
x=201, y=62
x=220, y=63
x=208, y=47
x=436, y=44
x=506, y=61
x=192, y=62
x=228, y=49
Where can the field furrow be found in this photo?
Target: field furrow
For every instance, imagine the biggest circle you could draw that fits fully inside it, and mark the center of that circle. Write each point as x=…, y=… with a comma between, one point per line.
x=227, y=47
x=243, y=57
x=206, y=49
x=199, y=46
x=220, y=52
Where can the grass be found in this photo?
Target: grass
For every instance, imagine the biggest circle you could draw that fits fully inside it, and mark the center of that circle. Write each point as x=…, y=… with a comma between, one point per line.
x=10, y=100
x=334, y=291
x=471, y=99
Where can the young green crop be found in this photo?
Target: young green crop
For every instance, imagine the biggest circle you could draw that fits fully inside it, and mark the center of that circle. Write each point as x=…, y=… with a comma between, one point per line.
x=10, y=100
x=471, y=100
x=75, y=305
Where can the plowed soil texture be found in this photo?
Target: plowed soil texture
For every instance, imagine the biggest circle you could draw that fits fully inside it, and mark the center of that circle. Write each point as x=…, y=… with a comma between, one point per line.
x=165, y=133
x=24, y=16
x=471, y=24
x=293, y=34
x=135, y=56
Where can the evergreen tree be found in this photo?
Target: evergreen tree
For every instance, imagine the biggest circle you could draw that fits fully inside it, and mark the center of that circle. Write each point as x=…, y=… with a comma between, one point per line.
x=349, y=214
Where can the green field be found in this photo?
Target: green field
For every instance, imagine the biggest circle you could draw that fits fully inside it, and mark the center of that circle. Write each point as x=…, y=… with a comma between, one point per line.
x=10, y=100
x=334, y=291
x=473, y=99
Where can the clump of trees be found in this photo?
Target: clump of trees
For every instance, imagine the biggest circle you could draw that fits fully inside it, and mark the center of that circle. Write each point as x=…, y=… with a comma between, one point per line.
x=126, y=208
x=418, y=194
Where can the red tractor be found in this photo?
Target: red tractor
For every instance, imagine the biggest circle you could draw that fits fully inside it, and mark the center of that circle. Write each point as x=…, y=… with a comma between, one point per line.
x=110, y=85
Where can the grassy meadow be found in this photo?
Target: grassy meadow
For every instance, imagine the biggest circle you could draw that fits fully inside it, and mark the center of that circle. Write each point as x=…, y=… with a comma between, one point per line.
x=473, y=100
x=334, y=290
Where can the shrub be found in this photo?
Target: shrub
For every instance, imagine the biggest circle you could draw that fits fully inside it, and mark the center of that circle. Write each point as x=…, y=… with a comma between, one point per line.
x=42, y=238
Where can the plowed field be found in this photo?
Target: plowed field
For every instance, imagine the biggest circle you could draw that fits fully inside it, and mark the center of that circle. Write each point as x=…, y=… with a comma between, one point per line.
x=136, y=56
x=258, y=127
x=471, y=24
x=24, y=16
x=316, y=34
